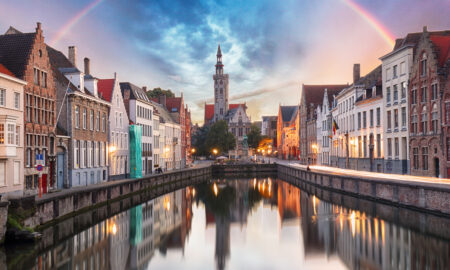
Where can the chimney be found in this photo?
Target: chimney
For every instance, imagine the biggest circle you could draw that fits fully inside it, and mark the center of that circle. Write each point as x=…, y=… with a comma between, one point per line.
x=162, y=100
x=73, y=55
x=356, y=73
x=144, y=88
x=425, y=29
x=87, y=66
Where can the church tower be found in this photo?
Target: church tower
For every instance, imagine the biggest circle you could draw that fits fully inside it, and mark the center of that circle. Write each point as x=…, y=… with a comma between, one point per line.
x=220, y=89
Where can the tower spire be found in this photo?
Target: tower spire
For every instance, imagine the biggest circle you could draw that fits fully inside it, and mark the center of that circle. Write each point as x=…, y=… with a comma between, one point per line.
x=219, y=65
x=219, y=52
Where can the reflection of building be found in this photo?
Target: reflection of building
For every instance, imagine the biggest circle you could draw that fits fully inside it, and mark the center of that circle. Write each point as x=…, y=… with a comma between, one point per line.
x=287, y=132
x=288, y=201
x=119, y=240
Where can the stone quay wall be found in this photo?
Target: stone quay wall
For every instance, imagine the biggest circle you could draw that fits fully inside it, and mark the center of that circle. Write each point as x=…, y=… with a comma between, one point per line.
x=60, y=205
x=3, y=219
x=432, y=197
x=244, y=169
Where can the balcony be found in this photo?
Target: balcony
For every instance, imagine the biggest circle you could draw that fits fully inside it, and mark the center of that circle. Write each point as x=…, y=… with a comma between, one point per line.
x=7, y=151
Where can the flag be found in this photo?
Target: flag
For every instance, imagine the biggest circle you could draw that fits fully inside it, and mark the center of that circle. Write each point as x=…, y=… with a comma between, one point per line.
x=335, y=127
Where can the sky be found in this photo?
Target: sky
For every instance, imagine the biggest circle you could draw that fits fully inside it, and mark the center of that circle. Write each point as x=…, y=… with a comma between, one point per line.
x=270, y=48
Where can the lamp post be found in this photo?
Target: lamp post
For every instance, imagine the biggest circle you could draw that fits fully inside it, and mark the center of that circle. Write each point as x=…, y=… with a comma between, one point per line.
x=215, y=151
x=193, y=150
x=269, y=152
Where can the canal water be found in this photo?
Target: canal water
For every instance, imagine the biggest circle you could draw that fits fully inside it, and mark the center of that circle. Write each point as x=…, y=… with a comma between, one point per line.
x=260, y=223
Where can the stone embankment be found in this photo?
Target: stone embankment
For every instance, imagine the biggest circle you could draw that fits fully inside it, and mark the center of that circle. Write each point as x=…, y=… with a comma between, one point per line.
x=420, y=195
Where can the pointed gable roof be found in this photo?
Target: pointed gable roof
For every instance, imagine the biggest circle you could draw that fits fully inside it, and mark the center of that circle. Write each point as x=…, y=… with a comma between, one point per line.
x=288, y=113
x=209, y=110
x=15, y=50
x=314, y=93
x=442, y=43
x=105, y=88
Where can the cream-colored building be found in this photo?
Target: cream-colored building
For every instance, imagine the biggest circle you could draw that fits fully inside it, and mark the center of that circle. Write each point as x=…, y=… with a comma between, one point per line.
x=11, y=134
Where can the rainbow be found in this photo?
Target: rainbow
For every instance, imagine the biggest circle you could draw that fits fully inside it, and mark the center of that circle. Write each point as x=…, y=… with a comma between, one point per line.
x=66, y=27
x=372, y=21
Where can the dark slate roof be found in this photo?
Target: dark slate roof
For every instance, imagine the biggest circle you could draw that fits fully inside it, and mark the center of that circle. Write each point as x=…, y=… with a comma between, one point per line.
x=371, y=79
x=164, y=115
x=411, y=39
x=314, y=93
x=135, y=91
x=15, y=50
x=288, y=112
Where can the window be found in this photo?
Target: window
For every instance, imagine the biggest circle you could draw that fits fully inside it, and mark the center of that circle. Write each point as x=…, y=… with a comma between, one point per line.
x=18, y=135
x=36, y=76
x=424, y=95
x=434, y=92
x=98, y=121
x=389, y=147
x=394, y=71
x=84, y=118
x=92, y=154
x=397, y=148
x=434, y=119
x=11, y=133
x=371, y=118
x=389, y=123
x=402, y=68
x=378, y=117
x=447, y=113
x=120, y=118
x=396, y=118
x=17, y=100
x=16, y=172
x=403, y=116
x=104, y=122
x=77, y=154
x=2, y=134
x=91, y=120
x=388, y=74
x=416, y=158
x=28, y=109
x=365, y=146
x=2, y=97
x=378, y=145
x=403, y=86
x=28, y=157
x=425, y=158
x=44, y=79
x=77, y=117
x=424, y=118
x=359, y=146
x=395, y=93
x=388, y=95
x=423, y=65
x=2, y=173
x=414, y=96
x=414, y=122
x=364, y=120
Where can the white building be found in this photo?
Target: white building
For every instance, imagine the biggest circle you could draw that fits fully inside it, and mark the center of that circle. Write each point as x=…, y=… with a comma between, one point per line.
x=324, y=130
x=140, y=112
x=357, y=143
x=119, y=155
x=395, y=74
x=11, y=130
x=169, y=140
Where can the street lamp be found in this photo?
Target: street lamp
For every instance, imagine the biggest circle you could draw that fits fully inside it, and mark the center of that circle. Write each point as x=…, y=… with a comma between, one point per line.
x=215, y=151
x=193, y=150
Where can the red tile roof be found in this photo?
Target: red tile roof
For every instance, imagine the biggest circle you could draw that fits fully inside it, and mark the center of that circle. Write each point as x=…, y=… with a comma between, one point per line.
x=209, y=110
x=443, y=45
x=105, y=88
x=6, y=71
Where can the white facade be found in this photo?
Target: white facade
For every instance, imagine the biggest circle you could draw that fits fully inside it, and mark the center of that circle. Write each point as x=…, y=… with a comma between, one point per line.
x=323, y=123
x=141, y=113
x=395, y=74
x=11, y=138
x=118, y=135
x=156, y=141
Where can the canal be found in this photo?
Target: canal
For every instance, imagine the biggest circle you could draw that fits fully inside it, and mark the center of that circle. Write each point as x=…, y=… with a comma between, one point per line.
x=258, y=223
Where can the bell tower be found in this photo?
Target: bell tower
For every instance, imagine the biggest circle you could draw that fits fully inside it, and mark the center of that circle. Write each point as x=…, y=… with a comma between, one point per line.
x=220, y=89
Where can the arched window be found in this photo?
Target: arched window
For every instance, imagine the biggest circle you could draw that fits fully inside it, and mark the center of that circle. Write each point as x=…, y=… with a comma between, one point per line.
x=414, y=121
x=434, y=119
x=423, y=65
x=424, y=120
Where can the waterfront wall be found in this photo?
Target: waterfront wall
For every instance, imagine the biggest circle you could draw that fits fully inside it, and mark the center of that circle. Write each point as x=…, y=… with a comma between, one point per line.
x=418, y=195
x=69, y=202
x=244, y=169
x=3, y=219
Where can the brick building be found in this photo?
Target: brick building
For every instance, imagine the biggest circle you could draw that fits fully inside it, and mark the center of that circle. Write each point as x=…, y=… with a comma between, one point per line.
x=287, y=132
x=25, y=55
x=429, y=105
x=83, y=116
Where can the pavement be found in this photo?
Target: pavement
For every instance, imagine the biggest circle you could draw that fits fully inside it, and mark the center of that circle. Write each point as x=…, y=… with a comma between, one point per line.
x=368, y=175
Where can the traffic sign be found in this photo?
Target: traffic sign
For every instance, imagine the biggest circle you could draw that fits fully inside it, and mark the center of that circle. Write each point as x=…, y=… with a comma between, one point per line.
x=39, y=167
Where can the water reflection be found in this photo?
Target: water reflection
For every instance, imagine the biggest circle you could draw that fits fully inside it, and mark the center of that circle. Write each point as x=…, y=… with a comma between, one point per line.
x=242, y=224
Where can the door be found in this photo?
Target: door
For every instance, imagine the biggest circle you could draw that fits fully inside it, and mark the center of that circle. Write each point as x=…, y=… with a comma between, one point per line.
x=436, y=167
x=60, y=170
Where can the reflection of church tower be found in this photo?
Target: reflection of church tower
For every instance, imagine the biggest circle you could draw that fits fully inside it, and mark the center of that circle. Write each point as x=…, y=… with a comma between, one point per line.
x=220, y=89
x=222, y=240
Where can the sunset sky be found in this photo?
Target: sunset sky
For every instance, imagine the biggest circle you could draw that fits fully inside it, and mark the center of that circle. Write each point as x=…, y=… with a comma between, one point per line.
x=270, y=48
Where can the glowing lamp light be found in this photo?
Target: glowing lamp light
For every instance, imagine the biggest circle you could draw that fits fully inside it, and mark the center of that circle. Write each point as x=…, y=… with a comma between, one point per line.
x=215, y=189
x=167, y=203
x=112, y=149
x=193, y=150
x=114, y=229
